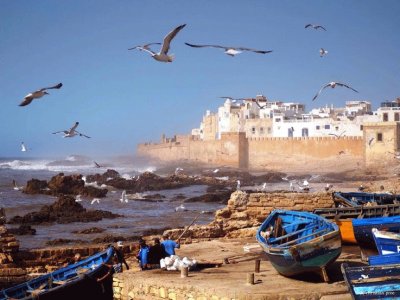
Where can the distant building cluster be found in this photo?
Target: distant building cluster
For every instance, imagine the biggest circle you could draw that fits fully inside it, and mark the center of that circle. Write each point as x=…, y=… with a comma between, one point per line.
x=259, y=118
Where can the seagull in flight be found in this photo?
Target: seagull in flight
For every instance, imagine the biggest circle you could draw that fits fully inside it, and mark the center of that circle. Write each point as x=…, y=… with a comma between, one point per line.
x=333, y=84
x=322, y=52
x=142, y=47
x=38, y=94
x=95, y=200
x=15, y=186
x=23, y=147
x=231, y=51
x=72, y=132
x=315, y=26
x=180, y=208
x=338, y=135
x=163, y=54
x=123, y=197
x=96, y=164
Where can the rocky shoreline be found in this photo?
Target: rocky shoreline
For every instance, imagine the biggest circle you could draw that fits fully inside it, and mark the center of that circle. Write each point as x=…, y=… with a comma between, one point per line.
x=244, y=211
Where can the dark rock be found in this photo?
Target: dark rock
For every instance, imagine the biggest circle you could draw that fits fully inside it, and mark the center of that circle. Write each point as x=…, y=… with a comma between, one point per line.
x=58, y=242
x=36, y=186
x=64, y=210
x=22, y=230
x=108, y=239
x=90, y=230
x=221, y=197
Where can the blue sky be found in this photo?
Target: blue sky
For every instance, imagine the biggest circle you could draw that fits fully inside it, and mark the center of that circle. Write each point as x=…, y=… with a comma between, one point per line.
x=123, y=97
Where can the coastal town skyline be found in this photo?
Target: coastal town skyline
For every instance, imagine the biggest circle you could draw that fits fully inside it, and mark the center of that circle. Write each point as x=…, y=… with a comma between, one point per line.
x=121, y=98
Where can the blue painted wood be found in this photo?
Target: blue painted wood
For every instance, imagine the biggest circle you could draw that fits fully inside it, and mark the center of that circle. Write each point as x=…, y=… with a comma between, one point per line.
x=360, y=198
x=388, y=259
x=303, y=242
x=70, y=282
x=386, y=242
x=363, y=228
x=373, y=282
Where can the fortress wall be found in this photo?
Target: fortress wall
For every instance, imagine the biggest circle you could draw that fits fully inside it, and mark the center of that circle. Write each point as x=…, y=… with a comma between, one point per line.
x=234, y=149
x=281, y=153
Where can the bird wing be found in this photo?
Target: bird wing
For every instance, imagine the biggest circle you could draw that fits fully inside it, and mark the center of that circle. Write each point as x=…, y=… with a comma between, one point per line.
x=319, y=92
x=142, y=47
x=254, y=50
x=81, y=134
x=168, y=38
x=333, y=134
x=27, y=100
x=72, y=129
x=308, y=25
x=61, y=131
x=57, y=86
x=258, y=104
x=345, y=85
x=214, y=46
x=319, y=26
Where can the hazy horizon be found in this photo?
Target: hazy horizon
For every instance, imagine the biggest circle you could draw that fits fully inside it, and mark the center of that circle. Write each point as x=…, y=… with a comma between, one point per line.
x=122, y=98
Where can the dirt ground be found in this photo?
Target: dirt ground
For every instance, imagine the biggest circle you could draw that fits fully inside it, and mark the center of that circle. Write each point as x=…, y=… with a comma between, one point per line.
x=230, y=280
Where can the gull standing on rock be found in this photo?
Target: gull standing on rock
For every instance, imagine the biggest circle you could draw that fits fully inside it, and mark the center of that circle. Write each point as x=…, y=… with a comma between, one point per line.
x=72, y=132
x=163, y=54
x=333, y=84
x=38, y=94
x=231, y=51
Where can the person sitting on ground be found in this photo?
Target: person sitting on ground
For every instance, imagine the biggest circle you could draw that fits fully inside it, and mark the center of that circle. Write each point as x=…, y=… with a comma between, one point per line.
x=142, y=256
x=156, y=253
x=120, y=255
x=169, y=245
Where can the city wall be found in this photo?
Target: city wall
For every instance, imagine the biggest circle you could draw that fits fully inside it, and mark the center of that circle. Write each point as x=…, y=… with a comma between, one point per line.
x=235, y=150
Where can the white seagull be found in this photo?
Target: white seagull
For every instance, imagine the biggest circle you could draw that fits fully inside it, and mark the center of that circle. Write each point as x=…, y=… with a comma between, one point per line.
x=322, y=52
x=78, y=198
x=180, y=208
x=178, y=170
x=146, y=46
x=38, y=94
x=231, y=51
x=15, y=186
x=238, y=185
x=315, y=26
x=72, y=132
x=95, y=200
x=163, y=54
x=23, y=147
x=333, y=84
x=123, y=197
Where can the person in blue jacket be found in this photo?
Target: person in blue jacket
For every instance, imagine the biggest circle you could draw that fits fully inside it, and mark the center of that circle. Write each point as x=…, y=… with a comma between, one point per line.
x=143, y=255
x=169, y=245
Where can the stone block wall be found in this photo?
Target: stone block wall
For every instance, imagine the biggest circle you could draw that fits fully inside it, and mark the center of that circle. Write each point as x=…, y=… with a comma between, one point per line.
x=246, y=211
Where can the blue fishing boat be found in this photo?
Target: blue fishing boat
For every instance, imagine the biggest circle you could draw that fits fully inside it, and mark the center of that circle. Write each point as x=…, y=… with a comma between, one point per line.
x=297, y=242
x=388, y=259
x=359, y=198
x=372, y=282
x=86, y=278
x=363, y=228
x=386, y=242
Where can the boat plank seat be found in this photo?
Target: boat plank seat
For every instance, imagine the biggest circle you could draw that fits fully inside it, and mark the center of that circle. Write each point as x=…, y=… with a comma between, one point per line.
x=310, y=227
x=303, y=237
x=296, y=223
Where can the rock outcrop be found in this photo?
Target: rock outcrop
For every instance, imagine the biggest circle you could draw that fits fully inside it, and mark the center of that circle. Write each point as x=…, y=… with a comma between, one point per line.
x=64, y=210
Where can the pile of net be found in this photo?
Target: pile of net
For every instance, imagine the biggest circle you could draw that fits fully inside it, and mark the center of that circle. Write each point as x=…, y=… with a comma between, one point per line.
x=174, y=263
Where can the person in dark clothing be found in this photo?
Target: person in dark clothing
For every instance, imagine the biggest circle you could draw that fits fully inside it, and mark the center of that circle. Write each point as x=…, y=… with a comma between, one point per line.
x=156, y=253
x=120, y=256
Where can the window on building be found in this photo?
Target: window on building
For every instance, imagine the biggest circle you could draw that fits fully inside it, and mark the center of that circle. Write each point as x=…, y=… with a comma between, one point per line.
x=269, y=130
x=261, y=130
x=336, y=128
x=253, y=130
x=385, y=117
x=379, y=137
x=317, y=127
x=304, y=132
x=277, y=120
x=361, y=127
x=327, y=126
x=396, y=117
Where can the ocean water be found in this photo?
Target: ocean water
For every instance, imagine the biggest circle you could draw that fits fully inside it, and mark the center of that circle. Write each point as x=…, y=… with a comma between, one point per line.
x=138, y=215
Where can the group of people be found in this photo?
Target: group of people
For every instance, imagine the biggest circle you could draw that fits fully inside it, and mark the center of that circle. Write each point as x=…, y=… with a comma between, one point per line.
x=149, y=256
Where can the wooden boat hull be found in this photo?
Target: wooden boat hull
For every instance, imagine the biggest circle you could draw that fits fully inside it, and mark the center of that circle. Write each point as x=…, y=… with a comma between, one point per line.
x=363, y=228
x=346, y=231
x=77, y=281
x=388, y=259
x=312, y=255
x=372, y=282
x=352, y=199
x=386, y=242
